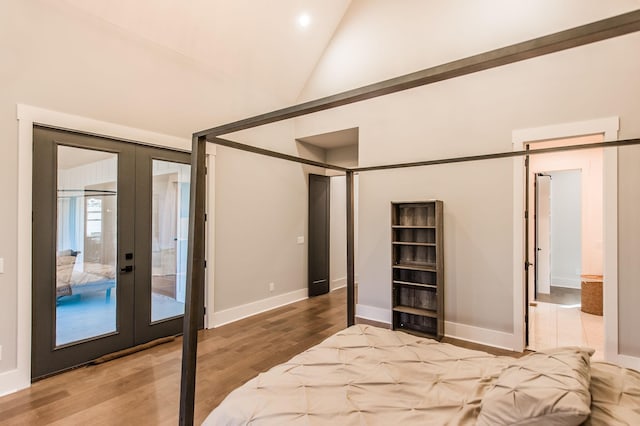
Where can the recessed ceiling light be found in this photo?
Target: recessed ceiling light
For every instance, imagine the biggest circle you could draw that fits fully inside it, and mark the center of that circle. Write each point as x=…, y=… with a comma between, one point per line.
x=304, y=20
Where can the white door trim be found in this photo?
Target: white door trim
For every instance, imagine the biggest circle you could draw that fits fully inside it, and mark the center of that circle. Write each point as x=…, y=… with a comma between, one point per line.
x=608, y=126
x=20, y=377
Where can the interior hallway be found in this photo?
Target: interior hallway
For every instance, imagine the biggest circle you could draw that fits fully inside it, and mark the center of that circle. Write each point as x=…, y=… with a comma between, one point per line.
x=553, y=325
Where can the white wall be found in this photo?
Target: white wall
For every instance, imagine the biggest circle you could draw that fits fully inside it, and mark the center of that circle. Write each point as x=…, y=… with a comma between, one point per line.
x=474, y=114
x=566, y=228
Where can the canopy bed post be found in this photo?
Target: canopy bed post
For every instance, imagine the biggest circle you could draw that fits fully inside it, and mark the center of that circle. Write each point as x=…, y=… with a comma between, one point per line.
x=351, y=314
x=195, y=280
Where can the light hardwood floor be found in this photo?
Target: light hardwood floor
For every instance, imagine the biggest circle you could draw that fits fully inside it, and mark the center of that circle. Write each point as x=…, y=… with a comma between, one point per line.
x=143, y=388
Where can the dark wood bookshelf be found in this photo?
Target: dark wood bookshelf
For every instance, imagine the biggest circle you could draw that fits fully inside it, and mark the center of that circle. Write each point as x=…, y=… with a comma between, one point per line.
x=418, y=268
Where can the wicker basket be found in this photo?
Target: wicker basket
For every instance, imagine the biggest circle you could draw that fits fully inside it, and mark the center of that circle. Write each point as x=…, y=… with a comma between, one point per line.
x=591, y=294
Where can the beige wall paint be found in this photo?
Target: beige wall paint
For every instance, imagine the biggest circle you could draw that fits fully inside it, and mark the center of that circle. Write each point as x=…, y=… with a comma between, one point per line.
x=57, y=58
x=346, y=156
x=629, y=250
x=477, y=238
x=261, y=209
x=261, y=206
x=377, y=39
x=474, y=114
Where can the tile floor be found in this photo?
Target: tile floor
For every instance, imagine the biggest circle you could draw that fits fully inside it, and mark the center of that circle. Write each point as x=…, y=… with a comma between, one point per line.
x=552, y=325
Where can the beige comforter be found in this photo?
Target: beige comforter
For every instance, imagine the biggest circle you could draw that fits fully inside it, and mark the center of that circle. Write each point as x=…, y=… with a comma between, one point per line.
x=370, y=376
x=367, y=376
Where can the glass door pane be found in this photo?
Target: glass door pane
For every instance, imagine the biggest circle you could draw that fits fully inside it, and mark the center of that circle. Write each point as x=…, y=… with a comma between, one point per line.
x=169, y=234
x=86, y=244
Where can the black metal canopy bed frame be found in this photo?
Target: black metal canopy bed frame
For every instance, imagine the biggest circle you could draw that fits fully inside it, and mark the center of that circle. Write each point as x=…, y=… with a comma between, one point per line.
x=563, y=40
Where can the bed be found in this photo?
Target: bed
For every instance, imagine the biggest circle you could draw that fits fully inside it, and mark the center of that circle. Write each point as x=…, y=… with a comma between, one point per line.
x=567, y=39
x=91, y=277
x=366, y=375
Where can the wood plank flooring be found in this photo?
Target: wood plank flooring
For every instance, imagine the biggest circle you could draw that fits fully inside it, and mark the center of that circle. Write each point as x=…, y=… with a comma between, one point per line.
x=143, y=388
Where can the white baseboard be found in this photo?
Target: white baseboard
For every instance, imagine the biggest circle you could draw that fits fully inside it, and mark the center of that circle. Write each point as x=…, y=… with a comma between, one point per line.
x=338, y=283
x=483, y=336
x=243, y=311
x=469, y=333
x=373, y=313
x=13, y=381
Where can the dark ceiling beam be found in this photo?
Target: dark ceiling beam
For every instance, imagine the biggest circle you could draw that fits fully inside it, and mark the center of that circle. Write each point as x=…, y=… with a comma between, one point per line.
x=563, y=40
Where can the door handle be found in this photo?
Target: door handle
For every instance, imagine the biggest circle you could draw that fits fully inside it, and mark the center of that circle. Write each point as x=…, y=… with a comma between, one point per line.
x=128, y=268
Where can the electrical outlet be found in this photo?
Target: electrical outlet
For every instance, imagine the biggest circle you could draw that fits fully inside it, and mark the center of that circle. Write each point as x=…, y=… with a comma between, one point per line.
x=1, y=265
x=301, y=240
x=272, y=286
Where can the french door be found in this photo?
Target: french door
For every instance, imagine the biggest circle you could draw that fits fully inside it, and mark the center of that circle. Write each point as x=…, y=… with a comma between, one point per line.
x=110, y=222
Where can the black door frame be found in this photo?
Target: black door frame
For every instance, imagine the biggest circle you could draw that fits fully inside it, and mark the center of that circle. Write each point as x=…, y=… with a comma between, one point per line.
x=133, y=160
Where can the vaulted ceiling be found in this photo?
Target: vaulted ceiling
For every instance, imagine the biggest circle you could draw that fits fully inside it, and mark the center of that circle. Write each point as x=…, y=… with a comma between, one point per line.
x=260, y=43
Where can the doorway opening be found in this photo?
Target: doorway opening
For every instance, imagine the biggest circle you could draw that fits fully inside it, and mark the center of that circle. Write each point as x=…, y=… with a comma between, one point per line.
x=565, y=246
x=327, y=220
